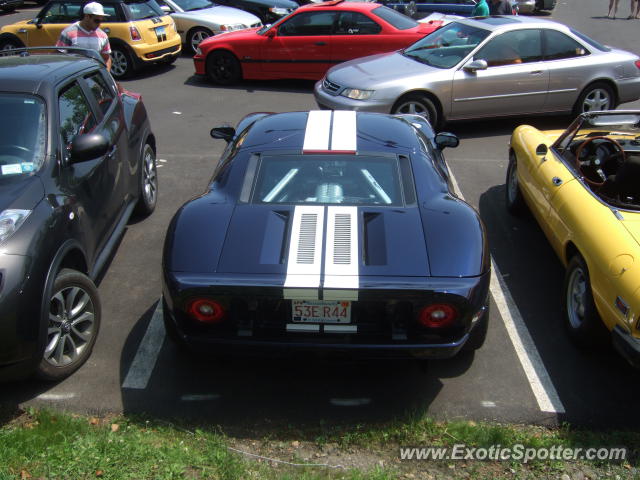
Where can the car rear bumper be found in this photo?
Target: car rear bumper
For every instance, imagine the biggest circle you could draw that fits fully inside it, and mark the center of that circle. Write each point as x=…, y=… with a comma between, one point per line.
x=626, y=345
x=150, y=55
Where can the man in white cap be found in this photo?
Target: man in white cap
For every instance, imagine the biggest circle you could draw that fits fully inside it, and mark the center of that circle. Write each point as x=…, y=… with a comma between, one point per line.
x=86, y=33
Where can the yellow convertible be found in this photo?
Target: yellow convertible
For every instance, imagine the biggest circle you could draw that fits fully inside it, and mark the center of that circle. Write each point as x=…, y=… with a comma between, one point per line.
x=583, y=187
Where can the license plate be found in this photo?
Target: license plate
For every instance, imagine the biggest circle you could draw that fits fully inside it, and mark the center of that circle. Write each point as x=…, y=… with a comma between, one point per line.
x=321, y=311
x=160, y=31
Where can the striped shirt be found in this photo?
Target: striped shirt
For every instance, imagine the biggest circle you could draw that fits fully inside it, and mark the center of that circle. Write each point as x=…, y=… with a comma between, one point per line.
x=76, y=36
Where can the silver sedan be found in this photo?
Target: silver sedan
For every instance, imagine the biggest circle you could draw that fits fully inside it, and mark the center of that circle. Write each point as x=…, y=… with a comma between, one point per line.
x=200, y=19
x=490, y=67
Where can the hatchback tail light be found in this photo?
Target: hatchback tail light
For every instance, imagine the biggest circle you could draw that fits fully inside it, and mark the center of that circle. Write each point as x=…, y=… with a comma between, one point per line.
x=438, y=315
x=205, y=310
x=135, y=34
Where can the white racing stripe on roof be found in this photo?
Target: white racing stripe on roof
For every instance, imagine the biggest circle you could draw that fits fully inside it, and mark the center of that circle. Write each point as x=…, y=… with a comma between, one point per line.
x=343, y=131
x=317, y=133
x=341, y=262
x=305, y=249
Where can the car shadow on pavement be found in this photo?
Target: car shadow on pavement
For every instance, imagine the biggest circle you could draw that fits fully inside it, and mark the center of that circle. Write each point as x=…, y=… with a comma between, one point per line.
x=594, y=387
x=248, y=394
x=289, y=86
x=504, y=126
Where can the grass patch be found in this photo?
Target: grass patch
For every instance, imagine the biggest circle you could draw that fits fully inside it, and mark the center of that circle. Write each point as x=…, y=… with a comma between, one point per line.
x=41, y=444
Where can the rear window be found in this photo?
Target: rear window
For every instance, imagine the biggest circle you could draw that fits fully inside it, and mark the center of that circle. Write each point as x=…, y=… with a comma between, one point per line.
x=328, y=179
x=397, y=19
x=590, y=41
x=23, y=130
x=143, y=10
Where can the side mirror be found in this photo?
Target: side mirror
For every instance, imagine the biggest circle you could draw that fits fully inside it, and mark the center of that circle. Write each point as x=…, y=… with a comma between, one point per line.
x=270, y=33
x=224, y=133
x=541, y=149
x=38, y=22
x=446, y=139
x=472, y=67
x=88, y=147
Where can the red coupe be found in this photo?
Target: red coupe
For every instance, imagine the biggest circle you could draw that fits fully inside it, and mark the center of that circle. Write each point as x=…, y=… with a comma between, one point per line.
x=307, y=42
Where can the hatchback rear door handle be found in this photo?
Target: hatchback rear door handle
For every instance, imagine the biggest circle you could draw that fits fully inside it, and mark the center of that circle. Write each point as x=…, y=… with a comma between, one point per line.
x=536, y=72
x=321, y=44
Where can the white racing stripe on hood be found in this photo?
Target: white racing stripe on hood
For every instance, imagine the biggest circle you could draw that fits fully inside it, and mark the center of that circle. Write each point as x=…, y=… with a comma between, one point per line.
x=343, y=131
x=305, y=253
x=341, y=262
x=328, y=131
x=317, y=133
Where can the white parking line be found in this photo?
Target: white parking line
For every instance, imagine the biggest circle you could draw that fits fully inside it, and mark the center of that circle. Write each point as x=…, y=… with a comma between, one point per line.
x=537, y=375
x=56, y=396
x=145, y=359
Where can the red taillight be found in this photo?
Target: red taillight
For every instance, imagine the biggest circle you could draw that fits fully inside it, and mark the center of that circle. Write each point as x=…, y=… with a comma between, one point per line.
x=205, y=310
x=438, y=315
x=638, y=64
x=135, y=34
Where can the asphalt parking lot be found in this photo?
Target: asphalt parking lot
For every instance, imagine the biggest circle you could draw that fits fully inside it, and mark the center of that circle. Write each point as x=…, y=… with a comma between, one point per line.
x=528, y=371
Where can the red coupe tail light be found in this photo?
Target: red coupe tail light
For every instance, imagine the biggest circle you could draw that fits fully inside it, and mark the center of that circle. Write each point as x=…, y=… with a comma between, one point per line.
x=205, y=310
x=438, y=315
x=638, y=64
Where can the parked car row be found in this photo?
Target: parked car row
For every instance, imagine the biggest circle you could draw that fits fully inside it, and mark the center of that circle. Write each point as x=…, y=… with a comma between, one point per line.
x=300, y=248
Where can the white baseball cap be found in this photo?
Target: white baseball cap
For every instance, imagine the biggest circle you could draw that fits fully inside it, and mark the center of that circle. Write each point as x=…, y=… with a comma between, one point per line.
x=94, y=8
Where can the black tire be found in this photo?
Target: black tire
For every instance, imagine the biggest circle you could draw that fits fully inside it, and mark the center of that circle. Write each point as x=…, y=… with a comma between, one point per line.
x=148, y=182
x=73, y=323
x=122, y=63
x=223, y=68
x=478, y=334
x=580, y=316
x=410, y=9
x=9, y=9
x=195, y=36
x=512, y=193
x=9, y=43
x=418, y=104
x=597, y=96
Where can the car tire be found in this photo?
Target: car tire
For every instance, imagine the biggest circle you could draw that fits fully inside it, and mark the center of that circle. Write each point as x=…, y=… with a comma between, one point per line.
x=512, y=193
x=223, y=68
x=597, y=96
x=148, y=183
x=122, y=65
x=10, y=43
x=410, y=9
x=195, y=37
x=73, y=323
x=478, y=334
x=580, y=316
x=418, y=104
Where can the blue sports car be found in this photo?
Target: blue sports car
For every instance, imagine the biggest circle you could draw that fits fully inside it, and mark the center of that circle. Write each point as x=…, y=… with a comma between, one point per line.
x=334, y=231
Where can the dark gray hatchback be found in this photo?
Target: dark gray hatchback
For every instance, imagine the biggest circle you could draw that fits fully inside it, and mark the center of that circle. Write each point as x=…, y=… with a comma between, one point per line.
x=77, y=157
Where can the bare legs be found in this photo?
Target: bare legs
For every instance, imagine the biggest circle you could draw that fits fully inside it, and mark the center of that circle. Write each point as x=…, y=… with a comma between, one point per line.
x=613, y=8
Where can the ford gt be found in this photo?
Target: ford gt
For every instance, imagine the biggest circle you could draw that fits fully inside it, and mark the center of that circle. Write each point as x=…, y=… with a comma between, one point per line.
x=333, y=231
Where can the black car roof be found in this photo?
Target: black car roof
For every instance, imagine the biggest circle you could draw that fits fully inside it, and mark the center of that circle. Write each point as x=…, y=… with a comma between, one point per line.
x=375, y=133
x=26, y=73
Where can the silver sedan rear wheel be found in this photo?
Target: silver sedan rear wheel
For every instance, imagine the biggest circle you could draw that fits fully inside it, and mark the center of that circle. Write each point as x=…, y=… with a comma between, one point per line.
x=597, y=96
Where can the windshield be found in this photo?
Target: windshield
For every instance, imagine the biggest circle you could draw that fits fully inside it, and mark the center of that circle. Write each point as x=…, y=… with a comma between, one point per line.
x=191, y=5
x=447, y=46
x=337, y=179
x=142, y=10
x=624, y=125
x=22, y=134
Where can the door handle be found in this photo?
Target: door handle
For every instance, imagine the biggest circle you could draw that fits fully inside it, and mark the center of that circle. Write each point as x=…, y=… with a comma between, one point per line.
x=536, y=72
x=556, y=181
x=321, y=44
